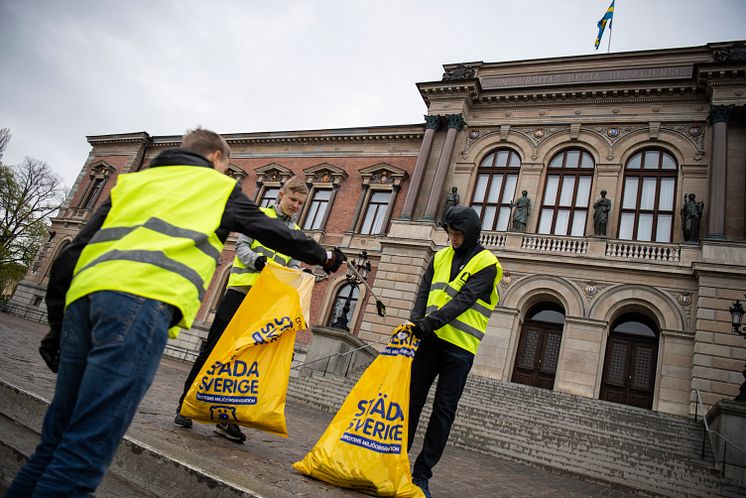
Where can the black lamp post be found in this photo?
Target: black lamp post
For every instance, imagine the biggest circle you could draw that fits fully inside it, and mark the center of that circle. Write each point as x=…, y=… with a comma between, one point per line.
x=736, y=319
x=363, y=267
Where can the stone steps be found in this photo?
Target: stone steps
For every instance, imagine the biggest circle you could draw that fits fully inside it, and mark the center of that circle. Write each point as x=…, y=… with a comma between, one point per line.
x=138, y=469
x=653, y=453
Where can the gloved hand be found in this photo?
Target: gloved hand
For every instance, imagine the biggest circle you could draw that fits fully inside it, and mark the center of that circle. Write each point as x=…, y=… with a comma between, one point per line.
x=419, y=330
x=50, y=349
x=260, y=263
x=334, y=260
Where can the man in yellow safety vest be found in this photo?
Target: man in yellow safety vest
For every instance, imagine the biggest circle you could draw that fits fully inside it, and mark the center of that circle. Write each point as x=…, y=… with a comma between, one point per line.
x=133, y=276
x=251, y=257
x=454, y=301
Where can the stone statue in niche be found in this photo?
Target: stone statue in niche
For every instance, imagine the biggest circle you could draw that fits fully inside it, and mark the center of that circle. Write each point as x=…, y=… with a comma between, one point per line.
x=521, y=211
x=601, y=215
x=451, y=200
x=691, y=213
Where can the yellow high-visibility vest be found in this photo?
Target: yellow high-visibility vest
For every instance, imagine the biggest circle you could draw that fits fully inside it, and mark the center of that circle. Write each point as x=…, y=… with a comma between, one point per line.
x=241, y=276
x=159, y=246
x=467, y=329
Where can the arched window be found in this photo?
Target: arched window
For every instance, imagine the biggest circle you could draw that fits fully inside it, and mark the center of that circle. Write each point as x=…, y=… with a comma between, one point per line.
x=344, y=307
x=567, y=192
x=648, y=196
x=497, y=177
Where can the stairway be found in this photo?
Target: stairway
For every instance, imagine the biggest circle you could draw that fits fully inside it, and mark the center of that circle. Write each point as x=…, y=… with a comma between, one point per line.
x=653, y=453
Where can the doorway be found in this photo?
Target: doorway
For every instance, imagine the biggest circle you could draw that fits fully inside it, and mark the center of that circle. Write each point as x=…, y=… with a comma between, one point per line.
x=539, y=346
x=630, y=362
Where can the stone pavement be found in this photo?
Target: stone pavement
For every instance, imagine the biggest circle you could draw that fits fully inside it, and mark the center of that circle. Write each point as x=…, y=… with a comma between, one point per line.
x=264, y=462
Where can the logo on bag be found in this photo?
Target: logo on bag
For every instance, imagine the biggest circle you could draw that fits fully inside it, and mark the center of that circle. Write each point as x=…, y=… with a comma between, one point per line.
x=403, y=343
x=271, y=331
x=223, y=414
x=233, y=383
x=378, y=425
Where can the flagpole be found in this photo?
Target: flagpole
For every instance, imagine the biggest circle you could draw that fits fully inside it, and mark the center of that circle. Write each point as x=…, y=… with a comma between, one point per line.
x=611, y=31
x=608, y=48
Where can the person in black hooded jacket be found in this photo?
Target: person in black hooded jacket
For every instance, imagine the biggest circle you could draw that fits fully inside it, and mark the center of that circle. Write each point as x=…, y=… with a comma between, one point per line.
x=443, y=352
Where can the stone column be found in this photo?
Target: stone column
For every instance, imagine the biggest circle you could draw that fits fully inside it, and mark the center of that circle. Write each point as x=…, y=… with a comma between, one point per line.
x=719, y=116
x=431, y=126
x=455, y=123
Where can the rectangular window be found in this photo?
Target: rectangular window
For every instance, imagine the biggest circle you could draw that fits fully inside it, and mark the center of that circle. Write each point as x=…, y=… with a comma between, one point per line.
x=91, y=196
x=269, y=197
x=375, y=212
x=317, y=209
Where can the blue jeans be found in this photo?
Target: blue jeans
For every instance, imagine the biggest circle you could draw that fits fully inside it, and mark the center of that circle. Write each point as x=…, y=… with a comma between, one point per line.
x=111, y=345
x=451, y=364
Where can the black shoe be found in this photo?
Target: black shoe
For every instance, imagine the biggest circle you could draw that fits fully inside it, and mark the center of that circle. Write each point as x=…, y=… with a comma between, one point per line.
x=422, y=484
x=182, y=421
x=230, y=432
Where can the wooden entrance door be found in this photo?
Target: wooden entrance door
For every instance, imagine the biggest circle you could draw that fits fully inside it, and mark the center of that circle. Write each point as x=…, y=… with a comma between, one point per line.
x=538, y=353
x=629, y=371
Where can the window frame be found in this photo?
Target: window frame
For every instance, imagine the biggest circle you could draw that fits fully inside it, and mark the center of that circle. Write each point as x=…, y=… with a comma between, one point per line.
x=641, y=173
x=337, y=297
x=562, y=172
x=492, y=171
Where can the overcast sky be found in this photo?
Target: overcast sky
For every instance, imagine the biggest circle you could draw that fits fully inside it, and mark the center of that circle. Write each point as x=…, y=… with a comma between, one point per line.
x=82, y=67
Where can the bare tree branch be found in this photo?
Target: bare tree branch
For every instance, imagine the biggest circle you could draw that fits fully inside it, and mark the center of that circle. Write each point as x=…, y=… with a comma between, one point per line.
x=4, y=139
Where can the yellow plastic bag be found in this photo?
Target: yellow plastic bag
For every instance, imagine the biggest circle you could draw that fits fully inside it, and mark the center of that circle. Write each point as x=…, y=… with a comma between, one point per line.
x=245, y=379
x=365, y=445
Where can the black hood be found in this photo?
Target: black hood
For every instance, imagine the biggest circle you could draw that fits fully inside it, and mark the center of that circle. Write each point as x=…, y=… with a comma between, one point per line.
x=180, y=157
x=465, y=220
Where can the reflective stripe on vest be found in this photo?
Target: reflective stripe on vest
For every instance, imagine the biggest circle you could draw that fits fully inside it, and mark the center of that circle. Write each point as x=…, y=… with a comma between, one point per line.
x=241, y=275
x=467, y=329
x=159, y=246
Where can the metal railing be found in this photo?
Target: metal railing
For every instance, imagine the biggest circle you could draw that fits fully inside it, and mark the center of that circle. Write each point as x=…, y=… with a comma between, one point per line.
x=350, y=360
x=25, y=311
x=709, y=434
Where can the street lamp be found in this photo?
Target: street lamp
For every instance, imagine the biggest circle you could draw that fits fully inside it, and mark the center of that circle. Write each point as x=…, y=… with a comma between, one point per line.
x=736, y=319
x=363, y=267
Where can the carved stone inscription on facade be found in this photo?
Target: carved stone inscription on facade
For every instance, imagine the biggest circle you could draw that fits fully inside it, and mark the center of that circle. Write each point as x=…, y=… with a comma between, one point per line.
x=653, y=73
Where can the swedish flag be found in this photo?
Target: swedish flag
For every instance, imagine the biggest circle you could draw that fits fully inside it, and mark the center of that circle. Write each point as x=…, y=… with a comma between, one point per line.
x=607, y=18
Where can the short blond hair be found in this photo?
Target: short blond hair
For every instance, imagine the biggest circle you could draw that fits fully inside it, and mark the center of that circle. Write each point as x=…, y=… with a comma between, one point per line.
x=204, y=142
x=295, y=185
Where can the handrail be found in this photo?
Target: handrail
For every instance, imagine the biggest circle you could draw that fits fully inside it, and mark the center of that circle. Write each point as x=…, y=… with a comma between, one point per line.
x=710, y=432
x=382, y=341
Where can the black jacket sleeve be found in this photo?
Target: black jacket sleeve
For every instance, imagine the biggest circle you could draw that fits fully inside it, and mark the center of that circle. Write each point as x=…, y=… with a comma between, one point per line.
x=420, y=303
x=61, y=274
x=478, y=286
x=242, y=215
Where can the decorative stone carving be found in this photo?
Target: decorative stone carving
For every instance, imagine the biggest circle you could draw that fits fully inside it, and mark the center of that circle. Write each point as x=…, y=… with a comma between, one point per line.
x=721, y=113
x=735, y=53
x=432, y=122
x=537, y=135
x=590, y=289
x=460, y=72
x=507, y=279
x=684, y=299
x=455, y=121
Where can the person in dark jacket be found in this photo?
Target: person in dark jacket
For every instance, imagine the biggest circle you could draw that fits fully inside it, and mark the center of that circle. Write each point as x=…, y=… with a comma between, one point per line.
x=133, y=276
x=454, y=301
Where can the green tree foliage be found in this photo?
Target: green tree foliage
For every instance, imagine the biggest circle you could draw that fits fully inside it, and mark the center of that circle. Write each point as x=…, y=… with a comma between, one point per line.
x=29, y=194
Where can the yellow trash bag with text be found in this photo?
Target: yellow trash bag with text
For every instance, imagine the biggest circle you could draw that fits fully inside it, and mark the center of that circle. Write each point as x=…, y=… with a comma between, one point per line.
x=245, y=379
x=365, y=445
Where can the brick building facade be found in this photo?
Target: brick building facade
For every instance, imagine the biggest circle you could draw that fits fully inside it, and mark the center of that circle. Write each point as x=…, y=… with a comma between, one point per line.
x=628, y=310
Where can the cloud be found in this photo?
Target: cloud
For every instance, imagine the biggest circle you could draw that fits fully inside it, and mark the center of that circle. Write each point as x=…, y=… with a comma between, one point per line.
x=78, y=68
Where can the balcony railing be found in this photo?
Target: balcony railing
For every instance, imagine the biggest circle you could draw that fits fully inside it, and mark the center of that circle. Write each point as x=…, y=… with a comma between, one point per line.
x=587, y=246
x=546, y=243
x=642, y=250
